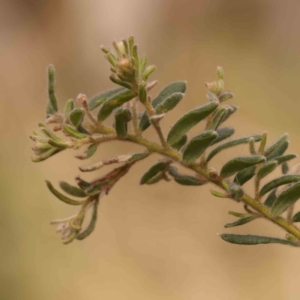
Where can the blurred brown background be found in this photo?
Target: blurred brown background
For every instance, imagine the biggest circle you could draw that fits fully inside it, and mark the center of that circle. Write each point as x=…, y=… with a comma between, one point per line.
x=154, y=242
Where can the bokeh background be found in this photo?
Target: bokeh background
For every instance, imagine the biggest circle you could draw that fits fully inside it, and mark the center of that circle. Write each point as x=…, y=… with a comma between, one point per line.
x=157, y=242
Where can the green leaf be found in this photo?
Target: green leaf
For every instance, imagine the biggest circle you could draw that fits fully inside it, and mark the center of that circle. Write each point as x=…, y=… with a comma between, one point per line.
x=218, y=194
x=223, y=133
x=284, y=158
x=90, y=228
x=197, y=146
x=62, y=197
x=184, y=179
x=158, y=177
x=52, y=105
x=178, y=145
x=285, y=168
x=76, y=116
x=231, y=144
x=174, y=87
x=74, y=133
x=270, y=199
x=68, y=108
x=286, y=199
x=46, y=154
x=266, y=169
x=90, y=151
x=225, y=97
x=189, y=120
x=254, y=239
x=153, y=171
x=217, y=117
x=286, y=179
x=239, y=163
x=169, y=103
x=245, y=175
x=112, y=103
x=296, y=217
x=98, y=99
x=72, y=190
x=122, y=117
x=137, y=156
x=279, y=150
x=232, y=109
x=240, y=222
x=275, y=146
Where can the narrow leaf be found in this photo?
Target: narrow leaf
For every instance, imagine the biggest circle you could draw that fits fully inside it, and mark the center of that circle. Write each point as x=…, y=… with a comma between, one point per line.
x=74, y=133
x=275, y=146
x=296, y=217
x=279, y=150
x=239, y=163
x=98, y=99
x=76, y=116
x=72, y=190
x=254, y=239
x=46, y=154
x=225, y=97
x=286, y=179
x=153, y=171
x=89, y=152
x=184, y=179
x=223, y=133
x=122, y=117
x=218, y=194
x=197, y=146
x=285, y=158
x=52, y=105
x=232, y=109
x=112, y=103
x=90, y=228
x=285, y=168
x=62, y=197
x=178, y=145
x=68, y=108
x=155, y=179
x=189, y=120
x=240, y=222
x=231, y=144
x=174, y=87
x=286, y=199
x=270, y=199
x=217, y=117
x=245, y=175
x=266, y=169
x=169, y=103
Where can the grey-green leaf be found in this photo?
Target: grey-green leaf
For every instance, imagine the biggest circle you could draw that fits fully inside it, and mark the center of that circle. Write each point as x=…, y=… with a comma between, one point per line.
x=90, y=151
x=284, y=158
x=72, y=190
x=76, y=116
x=270, y=199
x=279, y=150
x=245, y=175
x=232, y=109
x=68, y=108
x=90, y=228
x=153, y=171
x=275, y=146
x=169, y=103
x=286, y=199
x=52, y=104
x=179, y=144
x=174, y=87
x=184, y=179
x=296, y=217
x=74, y=133
x=197, y=146
x=231, y=144
x=240, y=222
x=266, y=169
x=223, y=133
x=239, y=163
x=98, y=99
x=189, y=120
x=217, y=117
x=254, y=239
x=62, y=197
x=122, y=117
x=114, y=102
x=225, y=97
x=286, y=179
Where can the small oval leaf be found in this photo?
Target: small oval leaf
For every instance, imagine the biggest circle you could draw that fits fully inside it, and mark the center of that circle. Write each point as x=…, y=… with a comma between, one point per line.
x=174, y=87
x=122, y=117
x=76, y=116
x=245, y=175
x=89, y=152
x=286, y=179
x=276, y=145
x=296, y=217
x=153, y=171
x=284, y=158
x=266, y=169
x=286, y=199
x=189, y=120
x=231, y=144
x=197, y=146
x=184, y=179
x=217, y=117
x=270, y=199
x=239, y=163
x=178, y=145
x=74, y=133
x=223, y=133
x=169, y=103
x=68, y=108
x=72, y=190
x=240, y=222
x=254, y=239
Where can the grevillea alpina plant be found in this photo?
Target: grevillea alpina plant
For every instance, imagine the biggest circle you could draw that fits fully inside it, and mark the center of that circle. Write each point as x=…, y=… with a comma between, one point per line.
x=133, y=112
